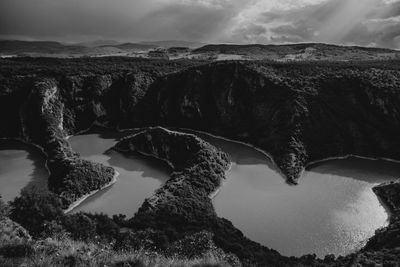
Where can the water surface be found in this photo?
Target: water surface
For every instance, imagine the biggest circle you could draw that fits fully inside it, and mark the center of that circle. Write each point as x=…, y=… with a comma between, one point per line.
x=332, y=211
x=21, y=167
x=139, y=176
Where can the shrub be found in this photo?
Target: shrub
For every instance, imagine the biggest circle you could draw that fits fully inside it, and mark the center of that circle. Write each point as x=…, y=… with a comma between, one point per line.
x=3, y=208
x=17, y=250
x=80, y=226
x=32, y=209
x=105, y=226
x=131, y=263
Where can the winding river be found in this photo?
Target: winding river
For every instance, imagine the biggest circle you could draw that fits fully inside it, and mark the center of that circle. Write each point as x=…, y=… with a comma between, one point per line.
x=138, y=177
x=332, y=210
x=21, y=167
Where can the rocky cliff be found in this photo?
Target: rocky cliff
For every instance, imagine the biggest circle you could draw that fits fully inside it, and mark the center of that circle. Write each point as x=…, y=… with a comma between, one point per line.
x=42, y=103
x=42, y=116
x=297, y=113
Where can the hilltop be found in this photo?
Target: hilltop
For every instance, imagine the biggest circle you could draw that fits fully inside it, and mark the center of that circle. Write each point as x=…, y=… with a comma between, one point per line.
x=198, y=51
x=298, y=52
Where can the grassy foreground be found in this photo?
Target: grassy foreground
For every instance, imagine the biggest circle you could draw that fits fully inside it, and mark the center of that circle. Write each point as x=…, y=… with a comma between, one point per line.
x=19, y=248
x=67, y=252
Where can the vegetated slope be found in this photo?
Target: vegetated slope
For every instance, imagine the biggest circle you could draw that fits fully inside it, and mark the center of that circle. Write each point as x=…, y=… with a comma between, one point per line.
x=133, y=46
x=41, y=48
x=183, y=202
x=17, y=47
x=82, y=67
x=36, y=110
x=96, y=48
x=304, y=51
x=174, y=43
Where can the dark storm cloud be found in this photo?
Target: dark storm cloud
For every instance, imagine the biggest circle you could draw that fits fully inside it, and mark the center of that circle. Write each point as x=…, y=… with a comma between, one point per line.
x=126, y=19
x=361, y=22
x=367, y=22
x=185, y=21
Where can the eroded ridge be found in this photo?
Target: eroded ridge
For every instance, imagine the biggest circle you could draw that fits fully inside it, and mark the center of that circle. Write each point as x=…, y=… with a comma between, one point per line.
x=198, y=167
x=43, y=117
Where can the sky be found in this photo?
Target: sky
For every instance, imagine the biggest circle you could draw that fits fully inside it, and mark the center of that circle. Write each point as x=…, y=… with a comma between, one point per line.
x=349, y=22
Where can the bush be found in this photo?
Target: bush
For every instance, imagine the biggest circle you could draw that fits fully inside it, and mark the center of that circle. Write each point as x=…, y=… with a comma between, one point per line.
x=33, y=209
x=80, y=226
x=3, y=208
x=105, y=226
x=131, y=263
x=17, y=250
x=148, y=239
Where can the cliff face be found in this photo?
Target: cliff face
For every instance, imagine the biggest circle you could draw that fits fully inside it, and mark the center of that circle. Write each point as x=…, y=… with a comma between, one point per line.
x=44, y=108
x=42, y=116
x=297, y=113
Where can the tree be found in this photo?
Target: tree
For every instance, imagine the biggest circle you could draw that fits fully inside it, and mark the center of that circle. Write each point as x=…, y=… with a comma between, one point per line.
x=3, y=208
x=32, y=209
x=80, y=226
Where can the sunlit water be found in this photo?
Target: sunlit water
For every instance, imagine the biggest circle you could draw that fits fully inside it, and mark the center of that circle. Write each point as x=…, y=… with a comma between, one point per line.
x=21, y=167
x=139, y=177
x=332, y=211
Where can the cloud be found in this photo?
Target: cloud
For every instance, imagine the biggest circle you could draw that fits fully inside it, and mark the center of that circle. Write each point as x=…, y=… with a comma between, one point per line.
x=198, y=20
x=193, y=20
x=366, y=22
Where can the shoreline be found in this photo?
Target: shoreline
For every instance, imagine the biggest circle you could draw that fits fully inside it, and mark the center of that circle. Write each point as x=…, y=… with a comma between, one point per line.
x=79, y=201
x=39, y=148
x=308, y=165
x=269, y=156
x=193, y=132
x=213, y=194
x=223, y=182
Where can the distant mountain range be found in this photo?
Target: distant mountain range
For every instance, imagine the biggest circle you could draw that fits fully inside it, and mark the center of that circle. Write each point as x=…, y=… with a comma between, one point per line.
x=302, y=51
x=290, y=52
x=13, y=47
x=133, y=46
x=16, y=47
x=99, y=43
x=175, y=43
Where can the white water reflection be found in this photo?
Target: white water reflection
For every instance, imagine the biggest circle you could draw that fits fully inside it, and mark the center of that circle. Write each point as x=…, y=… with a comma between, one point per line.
x=332, y=211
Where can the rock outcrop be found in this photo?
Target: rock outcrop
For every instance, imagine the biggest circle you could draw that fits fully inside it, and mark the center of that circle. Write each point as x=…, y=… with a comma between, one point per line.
x=198, y=170
x=390, y=195
x=42, y=117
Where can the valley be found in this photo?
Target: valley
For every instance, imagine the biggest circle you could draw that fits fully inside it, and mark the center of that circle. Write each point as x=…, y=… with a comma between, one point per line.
x=298, y=113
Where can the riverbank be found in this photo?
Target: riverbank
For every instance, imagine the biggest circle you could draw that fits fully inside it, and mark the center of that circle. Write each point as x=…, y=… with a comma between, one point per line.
x=83, y=198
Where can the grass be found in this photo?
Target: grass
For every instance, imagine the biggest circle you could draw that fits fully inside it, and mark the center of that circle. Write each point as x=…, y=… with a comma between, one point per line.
x=67, y=252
